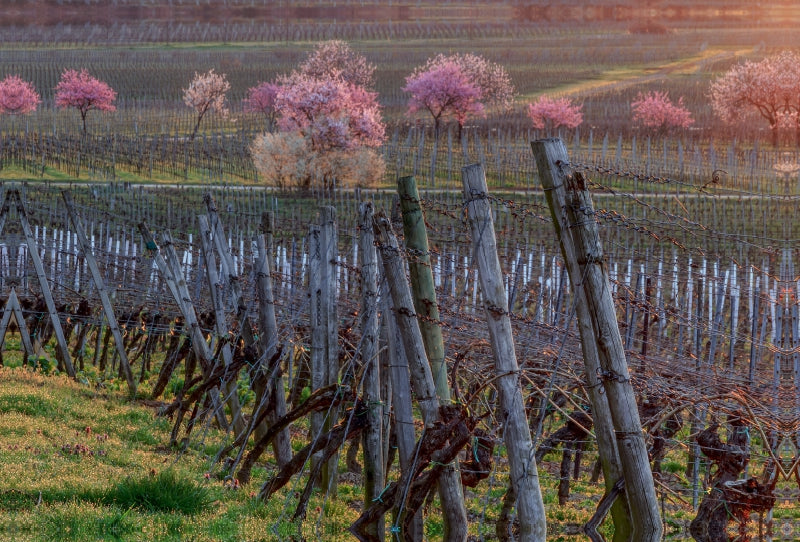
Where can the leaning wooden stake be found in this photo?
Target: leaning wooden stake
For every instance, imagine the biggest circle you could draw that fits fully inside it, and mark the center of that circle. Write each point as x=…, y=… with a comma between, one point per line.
x=99, y=283
x=13, y=308
x=221, y=323
x=231, y=278
x=422, y=285
x=269, y=344
x=180, y=293
x=33, y=252
x=450, y=489
x=517, y=434
x=588, y=264
x=401, y=405
x=603, y=426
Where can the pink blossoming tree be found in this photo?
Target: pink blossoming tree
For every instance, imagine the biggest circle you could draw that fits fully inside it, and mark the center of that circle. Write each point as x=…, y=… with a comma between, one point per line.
x=85, y=93
x=335, y=59
x=329, y=128
x=550, y=113
x=443, y=90
x=330, y=113
x=654, y=111
x=458, y=86
x=261, y=99
x=206, y=93
x=769, y=89
x=17, y=97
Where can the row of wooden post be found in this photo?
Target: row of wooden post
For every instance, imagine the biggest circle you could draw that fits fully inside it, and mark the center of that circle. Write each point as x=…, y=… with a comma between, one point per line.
x=415, y=343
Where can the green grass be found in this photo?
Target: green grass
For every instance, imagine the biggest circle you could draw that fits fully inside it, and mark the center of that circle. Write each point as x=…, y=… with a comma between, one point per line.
x=163, y=492
x=81, y=464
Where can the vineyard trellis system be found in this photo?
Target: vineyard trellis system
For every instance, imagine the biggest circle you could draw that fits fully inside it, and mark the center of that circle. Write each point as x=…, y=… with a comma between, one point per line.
x=224, y=158
x=242, y=289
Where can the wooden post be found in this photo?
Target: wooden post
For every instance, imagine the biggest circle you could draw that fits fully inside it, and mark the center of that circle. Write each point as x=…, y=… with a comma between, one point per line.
x=43, y=284
x=99, y=283
x=450, y=490
x=281, y=443
x=180, y=292
x=401, y=400
x=374, y=478
x=269, y=342
x=221, y=324
x=517, y=434
x=13, y=308
x=422, y=285
x=603, y=426
x=324, y=325
x=571, y=207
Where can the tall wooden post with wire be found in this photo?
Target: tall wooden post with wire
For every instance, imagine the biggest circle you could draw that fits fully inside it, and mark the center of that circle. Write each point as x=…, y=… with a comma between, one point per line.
x=573, y=218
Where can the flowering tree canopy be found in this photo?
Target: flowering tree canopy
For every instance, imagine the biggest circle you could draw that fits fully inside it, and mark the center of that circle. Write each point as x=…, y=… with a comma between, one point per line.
x=459, y=85
x=329, y=128
x=549, y=113
x=495, y=84
x=83, y=92
x=206, y=93
x=335, y=59
x=443, y=90
x=17, y=96
x=655, y=111
x=330, y=112
x=769, y=88
x=261, y=99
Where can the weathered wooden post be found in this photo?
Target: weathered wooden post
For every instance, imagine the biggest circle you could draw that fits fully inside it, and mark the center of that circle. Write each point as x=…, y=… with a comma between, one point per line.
x=450, y=489
x=13, y=308
x=324, y=325
x=33, y=252
x=269, y=342
x=180, y=292
x=100, y=284
x=374, y=477
x=516, y=432
x=221, y=323
x=572, y=210
x=422, y=285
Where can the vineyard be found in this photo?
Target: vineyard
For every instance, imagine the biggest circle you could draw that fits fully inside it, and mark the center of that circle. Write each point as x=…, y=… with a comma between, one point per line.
x=605, y=325
x=705, y=296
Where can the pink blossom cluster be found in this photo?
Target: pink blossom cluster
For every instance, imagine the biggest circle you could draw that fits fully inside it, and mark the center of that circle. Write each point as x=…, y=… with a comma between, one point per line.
x=769, y=88
x=491, y=78
x=443, y=90
x=80, y=90
x=206, y=92
x=330, y=112
x=17, y=96
x=550, y=113
x=656, y=111
x=335, y=59
x=329, y=121
x=458, y=86
x=261, y=99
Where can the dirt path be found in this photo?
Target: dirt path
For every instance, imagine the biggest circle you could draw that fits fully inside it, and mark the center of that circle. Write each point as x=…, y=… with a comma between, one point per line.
x=620, y=78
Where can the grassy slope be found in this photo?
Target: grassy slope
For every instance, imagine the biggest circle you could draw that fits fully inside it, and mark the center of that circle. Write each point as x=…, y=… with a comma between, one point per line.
x=63, y=445
x=66, y=445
